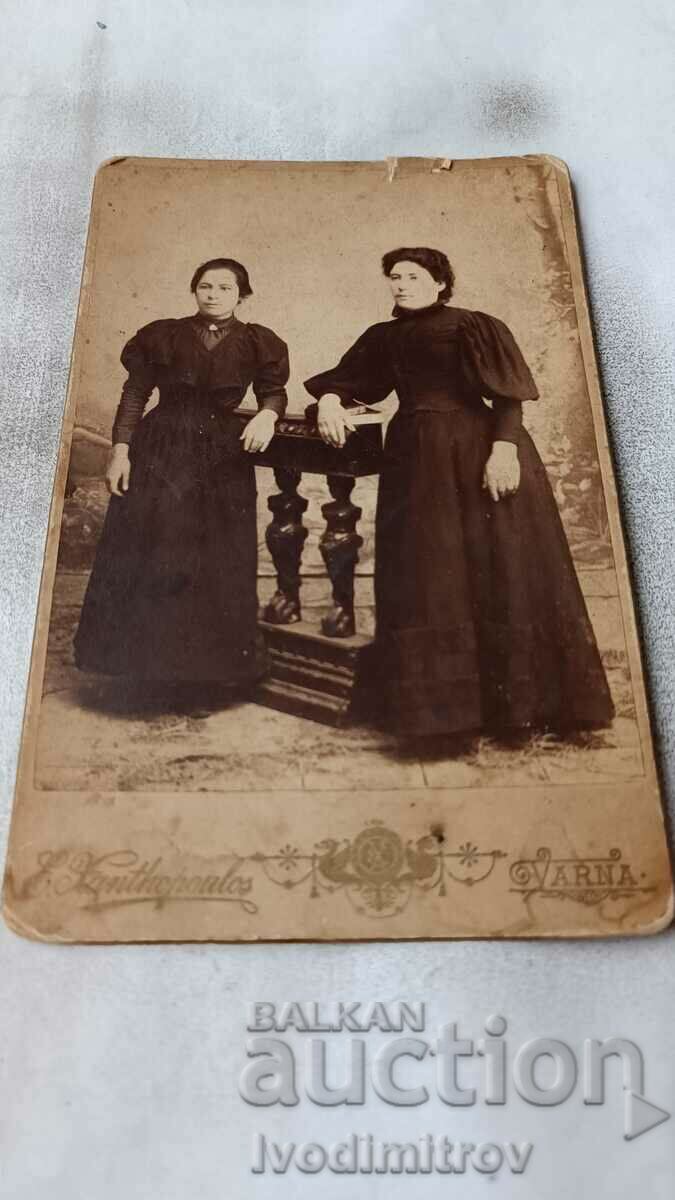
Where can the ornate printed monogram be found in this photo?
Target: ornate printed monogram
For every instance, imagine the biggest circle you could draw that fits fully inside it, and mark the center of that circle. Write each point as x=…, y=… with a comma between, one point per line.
x=378, y=871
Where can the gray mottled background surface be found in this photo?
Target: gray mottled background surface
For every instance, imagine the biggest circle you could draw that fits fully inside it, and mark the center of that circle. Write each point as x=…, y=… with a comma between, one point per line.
x=119, y=1064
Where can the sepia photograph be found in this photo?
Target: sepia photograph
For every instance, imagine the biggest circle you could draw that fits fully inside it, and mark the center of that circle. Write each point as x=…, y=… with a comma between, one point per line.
x=338, y=642
x=336, y=619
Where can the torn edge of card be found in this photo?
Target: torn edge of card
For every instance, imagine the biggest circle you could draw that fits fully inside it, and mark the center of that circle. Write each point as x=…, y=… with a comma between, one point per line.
x=439, y=165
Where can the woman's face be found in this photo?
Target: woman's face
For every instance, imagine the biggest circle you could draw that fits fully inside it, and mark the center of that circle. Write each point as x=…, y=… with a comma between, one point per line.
x=217, y=293
x=412, y=286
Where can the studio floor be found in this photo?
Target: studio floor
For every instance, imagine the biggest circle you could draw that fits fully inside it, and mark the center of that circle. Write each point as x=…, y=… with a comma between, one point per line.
x=92, y=738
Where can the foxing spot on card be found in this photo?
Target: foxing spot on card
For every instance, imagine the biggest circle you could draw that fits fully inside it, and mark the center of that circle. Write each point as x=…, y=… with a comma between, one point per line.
x=335, y=636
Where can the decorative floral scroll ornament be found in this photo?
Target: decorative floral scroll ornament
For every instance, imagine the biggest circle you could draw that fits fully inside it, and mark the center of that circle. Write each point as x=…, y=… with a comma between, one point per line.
x=378, y=870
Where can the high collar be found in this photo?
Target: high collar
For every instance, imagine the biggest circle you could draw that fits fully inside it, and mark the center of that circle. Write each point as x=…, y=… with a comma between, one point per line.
x=221, y=322
x=407, y=314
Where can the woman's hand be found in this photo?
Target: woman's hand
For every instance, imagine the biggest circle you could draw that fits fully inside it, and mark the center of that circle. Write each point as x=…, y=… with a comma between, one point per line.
x=259, y=432
x=333, y=421
x=501, y=476
x=118, y=470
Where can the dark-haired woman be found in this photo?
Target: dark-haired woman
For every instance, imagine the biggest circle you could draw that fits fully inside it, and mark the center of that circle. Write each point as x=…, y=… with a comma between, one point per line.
x=480, y=621
x=172, y=596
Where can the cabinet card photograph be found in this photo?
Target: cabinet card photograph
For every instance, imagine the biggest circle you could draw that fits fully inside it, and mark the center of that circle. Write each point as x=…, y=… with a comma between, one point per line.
x=335, y=637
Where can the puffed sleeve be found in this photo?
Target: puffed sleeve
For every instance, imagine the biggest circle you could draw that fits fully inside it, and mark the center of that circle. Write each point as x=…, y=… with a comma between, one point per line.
x=363, y=374
x=493, y=363
x=136, y=390
x=271, y=370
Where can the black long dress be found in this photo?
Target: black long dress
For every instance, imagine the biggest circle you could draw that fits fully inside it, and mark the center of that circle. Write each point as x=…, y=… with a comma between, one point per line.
x=480, y=620
x=172, y=595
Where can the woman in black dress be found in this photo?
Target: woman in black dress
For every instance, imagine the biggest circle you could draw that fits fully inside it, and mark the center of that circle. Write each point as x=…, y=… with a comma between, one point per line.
x=172, y=596
x=480, y=620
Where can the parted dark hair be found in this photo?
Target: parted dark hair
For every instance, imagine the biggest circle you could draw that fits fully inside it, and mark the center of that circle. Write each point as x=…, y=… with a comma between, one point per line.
x=228, y=264
x=433, y=261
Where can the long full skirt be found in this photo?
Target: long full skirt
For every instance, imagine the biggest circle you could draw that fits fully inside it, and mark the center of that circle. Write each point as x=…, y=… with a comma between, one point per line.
x=481, y=622
x=172, y=595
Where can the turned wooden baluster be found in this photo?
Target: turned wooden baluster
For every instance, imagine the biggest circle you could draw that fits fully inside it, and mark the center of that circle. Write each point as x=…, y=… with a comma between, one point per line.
x=285, y=537
x=339, y=546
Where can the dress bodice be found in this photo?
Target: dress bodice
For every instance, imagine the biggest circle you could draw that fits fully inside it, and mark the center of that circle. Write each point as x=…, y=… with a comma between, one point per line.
x=175, y=358
x=426, y=361
x=436, y=359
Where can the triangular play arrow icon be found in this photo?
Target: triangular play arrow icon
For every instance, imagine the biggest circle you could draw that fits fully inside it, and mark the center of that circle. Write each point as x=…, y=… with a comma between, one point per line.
x=640, y=1115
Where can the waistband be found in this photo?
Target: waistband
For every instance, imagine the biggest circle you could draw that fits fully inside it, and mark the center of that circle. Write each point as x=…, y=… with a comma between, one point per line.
x=442, y=410
x=436, y=400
